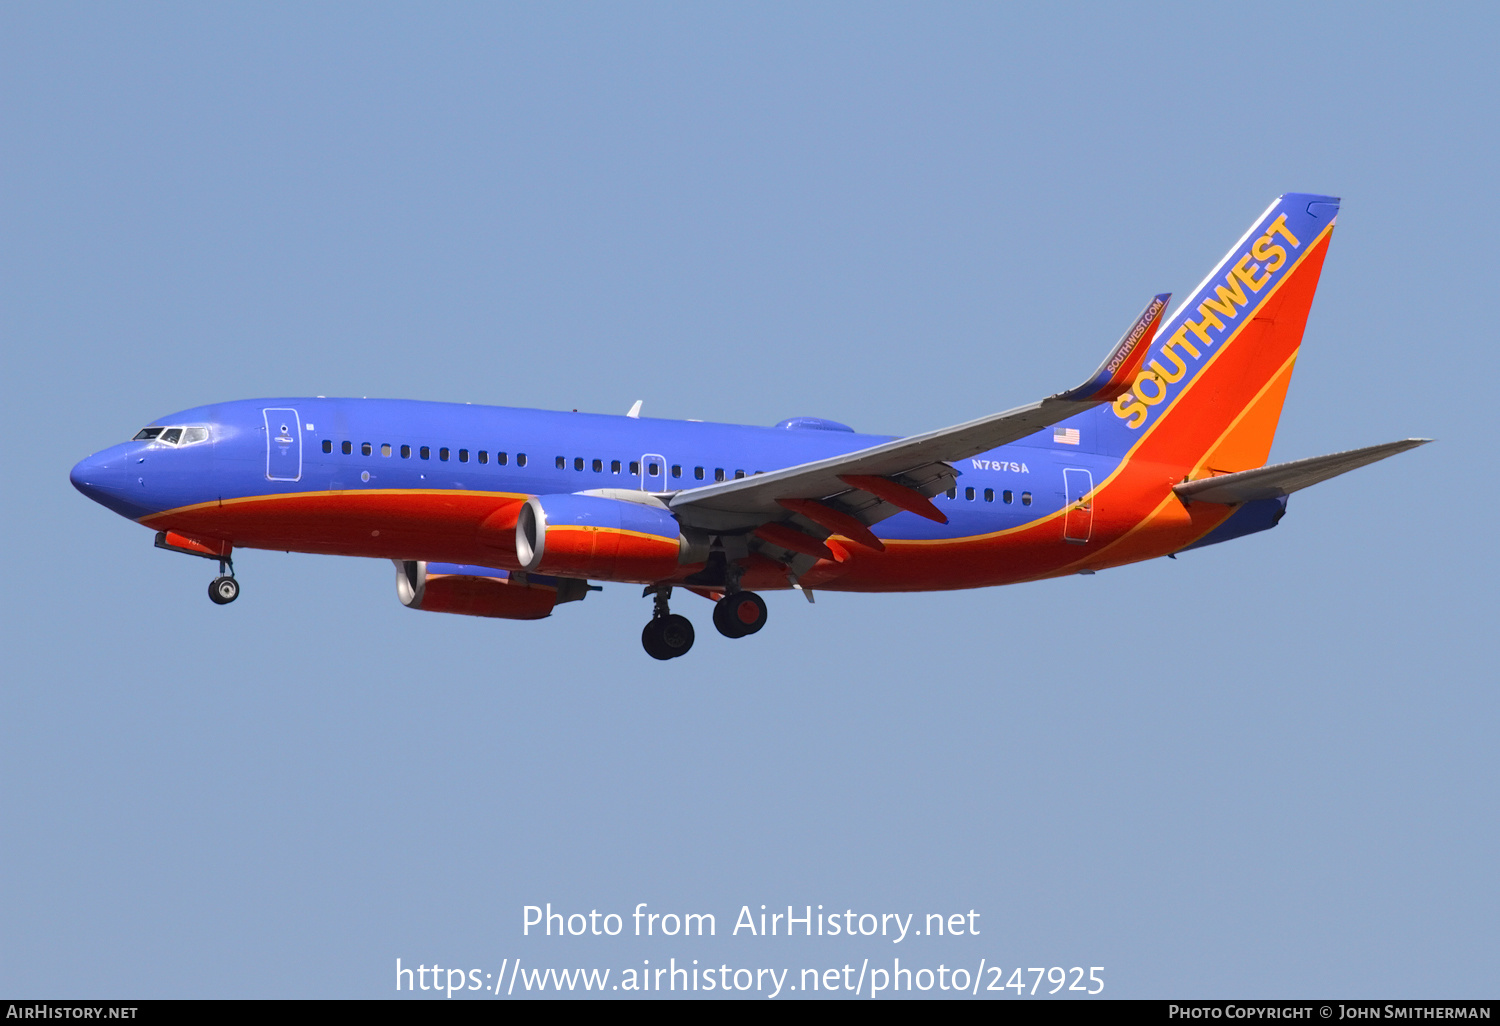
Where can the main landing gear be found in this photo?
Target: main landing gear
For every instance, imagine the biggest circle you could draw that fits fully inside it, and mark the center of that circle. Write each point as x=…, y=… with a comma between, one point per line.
x=668, y=634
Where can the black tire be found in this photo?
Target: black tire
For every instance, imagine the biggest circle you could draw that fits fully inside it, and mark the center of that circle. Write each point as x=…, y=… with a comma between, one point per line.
x=740, y=615
x=651, y=641
x=223, y=590
x=724, y=619
x=667, y=637
x=676, y=633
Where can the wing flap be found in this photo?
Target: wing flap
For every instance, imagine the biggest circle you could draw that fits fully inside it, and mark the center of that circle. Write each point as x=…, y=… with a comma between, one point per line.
x=1284, y=478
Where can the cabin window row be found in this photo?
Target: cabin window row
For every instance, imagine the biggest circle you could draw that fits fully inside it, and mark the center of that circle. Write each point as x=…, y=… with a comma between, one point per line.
x=652, y=468
x=425, y=452
x=503, y=459
x=1007, y=496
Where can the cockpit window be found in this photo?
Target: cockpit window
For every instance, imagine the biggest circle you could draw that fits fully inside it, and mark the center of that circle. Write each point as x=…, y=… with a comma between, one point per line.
x=179, y=435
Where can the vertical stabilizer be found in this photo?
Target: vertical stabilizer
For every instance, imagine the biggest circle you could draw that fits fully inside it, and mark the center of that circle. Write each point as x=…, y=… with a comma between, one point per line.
x=1210, y=392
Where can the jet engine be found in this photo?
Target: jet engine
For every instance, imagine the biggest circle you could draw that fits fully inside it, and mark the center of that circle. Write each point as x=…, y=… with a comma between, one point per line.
x=482, y=590
x=604, y=538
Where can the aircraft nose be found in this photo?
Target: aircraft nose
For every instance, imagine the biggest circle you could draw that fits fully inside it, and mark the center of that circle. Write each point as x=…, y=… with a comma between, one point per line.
x=97, y=476
x=110, y=478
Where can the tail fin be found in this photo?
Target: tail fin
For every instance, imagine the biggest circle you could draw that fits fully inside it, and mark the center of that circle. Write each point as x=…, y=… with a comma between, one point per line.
x=1210, y=393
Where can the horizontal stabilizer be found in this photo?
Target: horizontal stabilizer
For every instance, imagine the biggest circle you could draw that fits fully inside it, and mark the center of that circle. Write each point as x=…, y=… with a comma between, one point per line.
x=1285, y=478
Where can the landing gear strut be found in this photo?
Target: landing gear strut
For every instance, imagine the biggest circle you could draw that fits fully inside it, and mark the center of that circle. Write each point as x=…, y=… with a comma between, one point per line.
x=667, y=635
x=224, y=589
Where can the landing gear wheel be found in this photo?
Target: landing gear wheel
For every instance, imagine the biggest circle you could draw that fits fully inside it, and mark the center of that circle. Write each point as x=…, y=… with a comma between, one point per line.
x=740, y=614
x=667, y=637
x=224, y=590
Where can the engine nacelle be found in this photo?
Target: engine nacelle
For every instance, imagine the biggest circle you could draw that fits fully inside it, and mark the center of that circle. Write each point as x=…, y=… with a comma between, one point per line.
x=482, y=590
x=603, y=538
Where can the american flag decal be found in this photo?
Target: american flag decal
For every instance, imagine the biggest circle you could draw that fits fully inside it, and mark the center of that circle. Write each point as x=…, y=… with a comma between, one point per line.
x=1066, y=436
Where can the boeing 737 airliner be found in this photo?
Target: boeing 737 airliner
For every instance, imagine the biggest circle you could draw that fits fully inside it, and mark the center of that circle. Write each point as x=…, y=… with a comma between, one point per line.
x=492, y=511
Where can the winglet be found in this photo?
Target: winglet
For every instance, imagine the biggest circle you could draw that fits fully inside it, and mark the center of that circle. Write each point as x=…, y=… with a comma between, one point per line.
x=635, y=411
x=1118, y=371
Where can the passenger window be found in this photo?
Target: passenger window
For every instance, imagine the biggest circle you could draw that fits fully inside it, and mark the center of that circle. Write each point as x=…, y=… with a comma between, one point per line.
x=652, y=469
x=385, y=449
x=501, y=459
x=676, y=470
x=1026, y=498
x=952, y=493
x=146, y=434
x=1008, y=495
x=598, y=466
x=463, y=455
x=520, y=459
x=425, y=452
x=443, y=454
x=562, y=463
x=718, y=473
x=614, y=466
x=328, y=445
x=989, y=495
x=366, y=449
x=577, y=462
x=484, y=456
x=969, y=494
x=635, y=466
x=698, y=473
x=406, y=452
x=347, y=448
x=738, y=474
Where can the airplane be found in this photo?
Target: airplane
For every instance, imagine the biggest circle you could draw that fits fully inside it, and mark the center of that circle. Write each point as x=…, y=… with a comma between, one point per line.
x=503, y=512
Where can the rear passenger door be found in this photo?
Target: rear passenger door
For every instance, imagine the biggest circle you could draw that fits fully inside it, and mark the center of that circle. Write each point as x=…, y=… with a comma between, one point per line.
x=1078, y=521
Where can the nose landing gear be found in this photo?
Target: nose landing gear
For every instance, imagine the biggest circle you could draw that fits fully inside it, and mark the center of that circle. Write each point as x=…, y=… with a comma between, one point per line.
x=667, y=635
x=223, y=590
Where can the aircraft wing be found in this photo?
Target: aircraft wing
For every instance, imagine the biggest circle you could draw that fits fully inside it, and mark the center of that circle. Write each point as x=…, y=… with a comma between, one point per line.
x=1285, y=478
x=874, y=483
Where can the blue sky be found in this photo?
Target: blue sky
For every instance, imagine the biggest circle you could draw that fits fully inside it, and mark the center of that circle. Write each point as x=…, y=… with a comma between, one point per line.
x=1264, y=769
